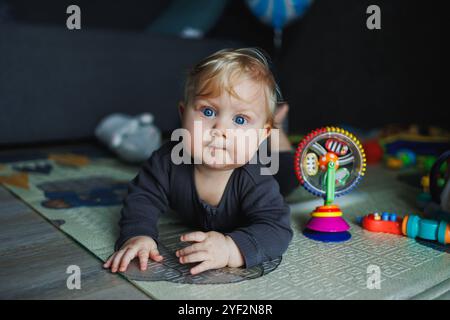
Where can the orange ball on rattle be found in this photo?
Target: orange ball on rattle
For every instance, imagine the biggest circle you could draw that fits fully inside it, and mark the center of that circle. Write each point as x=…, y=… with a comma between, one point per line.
x=325, y=159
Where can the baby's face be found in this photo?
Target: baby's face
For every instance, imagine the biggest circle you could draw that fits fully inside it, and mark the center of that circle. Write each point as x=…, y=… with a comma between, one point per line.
x=226, y=131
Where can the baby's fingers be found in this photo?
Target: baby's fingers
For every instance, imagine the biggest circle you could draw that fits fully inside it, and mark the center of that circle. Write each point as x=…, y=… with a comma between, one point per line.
x=154, y=255
x=127, y=257
x=195, y=257
x=196, y=236
x=143, y=259
x=191, y=249
x=107, y=264
x=117, y=259
x=205, y=265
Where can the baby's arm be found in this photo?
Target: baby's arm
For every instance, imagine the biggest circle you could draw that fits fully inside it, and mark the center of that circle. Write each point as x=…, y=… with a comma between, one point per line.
x=145, y=202
x=213, y=249
x=267, y=232
x=266, y=235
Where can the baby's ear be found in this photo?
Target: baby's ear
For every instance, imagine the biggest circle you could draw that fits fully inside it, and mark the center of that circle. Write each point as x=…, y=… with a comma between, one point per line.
x=265, y=133
x=267, y=129
x=181, y=108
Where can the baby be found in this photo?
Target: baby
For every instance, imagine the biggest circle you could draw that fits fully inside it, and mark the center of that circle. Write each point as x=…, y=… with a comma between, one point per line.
x=240, y=214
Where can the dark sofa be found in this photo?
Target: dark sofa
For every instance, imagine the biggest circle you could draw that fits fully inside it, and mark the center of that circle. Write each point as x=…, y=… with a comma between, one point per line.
x=56, y=84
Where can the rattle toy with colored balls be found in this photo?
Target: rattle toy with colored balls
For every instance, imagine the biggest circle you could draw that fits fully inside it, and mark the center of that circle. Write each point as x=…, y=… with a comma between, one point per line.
x=411, y=226
x=329, y=163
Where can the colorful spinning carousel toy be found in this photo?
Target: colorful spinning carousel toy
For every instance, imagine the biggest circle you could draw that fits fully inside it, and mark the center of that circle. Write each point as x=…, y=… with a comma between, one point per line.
x=329, y=163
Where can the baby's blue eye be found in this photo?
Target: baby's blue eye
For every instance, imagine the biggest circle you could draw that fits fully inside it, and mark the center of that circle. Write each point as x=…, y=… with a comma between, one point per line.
x=240, y=120
x=208, y=112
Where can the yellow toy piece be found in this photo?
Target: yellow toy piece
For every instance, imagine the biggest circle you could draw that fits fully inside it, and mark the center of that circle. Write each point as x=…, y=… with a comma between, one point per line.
x=311, y=164
x=394, y=163
x=326, y=214
x=425, y=183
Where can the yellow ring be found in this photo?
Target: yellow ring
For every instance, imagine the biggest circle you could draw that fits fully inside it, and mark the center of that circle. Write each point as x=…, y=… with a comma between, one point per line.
x=326, y=214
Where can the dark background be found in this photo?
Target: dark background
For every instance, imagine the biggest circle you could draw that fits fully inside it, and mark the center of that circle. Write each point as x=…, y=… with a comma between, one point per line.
x=331, y=68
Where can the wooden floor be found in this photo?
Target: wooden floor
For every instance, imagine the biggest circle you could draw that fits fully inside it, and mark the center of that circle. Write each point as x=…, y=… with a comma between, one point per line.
x=34, y=256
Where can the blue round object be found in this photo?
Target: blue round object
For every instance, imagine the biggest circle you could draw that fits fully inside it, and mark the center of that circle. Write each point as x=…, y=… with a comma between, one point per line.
x=278, y=13
x=407, y=157
x=327, y=236
x=393, y=217
x=412, y=226
x=385, y=216
x=428, y=229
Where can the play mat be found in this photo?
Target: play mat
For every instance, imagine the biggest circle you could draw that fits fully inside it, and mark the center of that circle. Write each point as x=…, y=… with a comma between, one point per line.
x=81, y=191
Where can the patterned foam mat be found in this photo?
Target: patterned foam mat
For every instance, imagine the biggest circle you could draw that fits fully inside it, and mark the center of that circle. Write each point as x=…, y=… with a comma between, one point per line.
x=82, y=197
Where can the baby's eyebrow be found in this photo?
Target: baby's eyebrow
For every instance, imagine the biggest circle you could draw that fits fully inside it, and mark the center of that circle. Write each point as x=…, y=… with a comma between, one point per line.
x=240, y=108
x=205, y=101
x=247, y=112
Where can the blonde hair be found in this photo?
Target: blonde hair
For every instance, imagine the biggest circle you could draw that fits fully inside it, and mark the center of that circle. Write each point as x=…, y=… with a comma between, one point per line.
x=216, y=72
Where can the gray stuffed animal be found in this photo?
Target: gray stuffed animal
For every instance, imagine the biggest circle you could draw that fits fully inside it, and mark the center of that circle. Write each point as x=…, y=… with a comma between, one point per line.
x=132, y=138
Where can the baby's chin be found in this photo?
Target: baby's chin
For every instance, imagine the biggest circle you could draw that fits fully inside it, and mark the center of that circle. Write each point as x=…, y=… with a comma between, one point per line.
x=221, y=167
x=219, y=159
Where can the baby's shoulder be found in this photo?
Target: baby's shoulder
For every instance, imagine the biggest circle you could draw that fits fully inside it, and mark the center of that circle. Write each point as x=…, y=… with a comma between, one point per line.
x=161, y=157
x=257, y=188
x=254, y=173
x=165, y=150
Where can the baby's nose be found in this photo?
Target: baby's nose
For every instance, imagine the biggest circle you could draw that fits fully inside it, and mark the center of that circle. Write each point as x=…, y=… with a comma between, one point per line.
x=218, y=133
x=219, y=130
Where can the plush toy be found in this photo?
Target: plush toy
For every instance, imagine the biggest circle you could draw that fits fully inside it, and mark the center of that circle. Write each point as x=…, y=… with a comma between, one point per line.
x=132, y=138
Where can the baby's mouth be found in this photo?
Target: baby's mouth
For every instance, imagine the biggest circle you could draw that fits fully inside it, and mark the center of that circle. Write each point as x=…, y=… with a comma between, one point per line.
x=216, y=150
x=217, y=146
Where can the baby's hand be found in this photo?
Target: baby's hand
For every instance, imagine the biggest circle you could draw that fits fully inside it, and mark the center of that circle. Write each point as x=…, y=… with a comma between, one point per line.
x=140, y=246
x=213, y=249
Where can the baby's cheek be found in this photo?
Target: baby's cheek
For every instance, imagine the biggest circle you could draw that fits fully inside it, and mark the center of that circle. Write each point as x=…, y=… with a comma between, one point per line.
x=242, y=152
x=189, y=143
x=197, y=149
x=197, y=135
